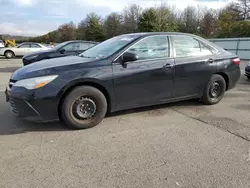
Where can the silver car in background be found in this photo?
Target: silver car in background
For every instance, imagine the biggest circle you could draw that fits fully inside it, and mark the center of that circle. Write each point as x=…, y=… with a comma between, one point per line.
x=22, y=49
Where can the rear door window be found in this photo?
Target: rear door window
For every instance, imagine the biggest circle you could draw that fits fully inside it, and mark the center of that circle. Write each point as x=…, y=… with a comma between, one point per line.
x=186, y=46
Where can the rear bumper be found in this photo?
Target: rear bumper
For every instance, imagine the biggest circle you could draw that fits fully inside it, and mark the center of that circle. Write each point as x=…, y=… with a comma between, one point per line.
x=25, y=106
x=234, y=77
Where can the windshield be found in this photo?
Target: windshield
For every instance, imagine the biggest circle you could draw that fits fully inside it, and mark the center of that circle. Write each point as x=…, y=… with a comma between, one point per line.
x=108, y=47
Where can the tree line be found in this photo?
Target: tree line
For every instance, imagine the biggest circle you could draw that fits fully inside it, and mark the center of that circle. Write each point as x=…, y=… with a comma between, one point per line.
x=231, y=21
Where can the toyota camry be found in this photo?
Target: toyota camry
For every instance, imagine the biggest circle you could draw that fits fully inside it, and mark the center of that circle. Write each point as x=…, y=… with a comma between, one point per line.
x=127, y=71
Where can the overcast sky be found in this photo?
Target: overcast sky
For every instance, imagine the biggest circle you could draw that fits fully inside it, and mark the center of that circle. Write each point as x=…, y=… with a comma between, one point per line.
x=37, y=17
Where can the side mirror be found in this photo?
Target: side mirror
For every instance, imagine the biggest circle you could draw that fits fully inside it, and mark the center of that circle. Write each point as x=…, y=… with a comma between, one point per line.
x=62, y=51
x=127, y=57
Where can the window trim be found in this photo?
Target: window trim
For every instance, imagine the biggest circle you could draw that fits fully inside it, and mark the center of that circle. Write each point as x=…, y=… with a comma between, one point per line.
x=198, y=40
x=170, y=52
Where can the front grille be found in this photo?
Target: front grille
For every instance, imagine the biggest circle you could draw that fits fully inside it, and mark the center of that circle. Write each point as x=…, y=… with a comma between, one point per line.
x=13, y=106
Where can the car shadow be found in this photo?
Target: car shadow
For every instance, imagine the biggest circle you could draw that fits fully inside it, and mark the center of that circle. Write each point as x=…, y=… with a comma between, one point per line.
x=11, y=124
x=4, y=58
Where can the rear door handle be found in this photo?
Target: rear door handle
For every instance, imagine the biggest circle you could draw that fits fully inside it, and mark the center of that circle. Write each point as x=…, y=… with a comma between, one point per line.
x=168, y=66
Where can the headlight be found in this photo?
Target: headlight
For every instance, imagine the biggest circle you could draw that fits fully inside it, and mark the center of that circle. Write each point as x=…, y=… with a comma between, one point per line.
x=30, y=57
x=35, y=83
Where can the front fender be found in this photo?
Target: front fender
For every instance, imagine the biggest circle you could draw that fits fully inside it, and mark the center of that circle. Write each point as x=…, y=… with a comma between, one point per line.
x=105, y=86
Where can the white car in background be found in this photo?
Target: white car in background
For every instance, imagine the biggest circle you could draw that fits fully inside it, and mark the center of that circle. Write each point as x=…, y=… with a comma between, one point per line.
x=22, y=49
x=1, y=44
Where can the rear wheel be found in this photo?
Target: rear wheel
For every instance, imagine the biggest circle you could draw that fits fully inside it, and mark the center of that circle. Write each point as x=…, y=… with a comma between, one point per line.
x=214, y=90
x=9, y=54
x=84, y=107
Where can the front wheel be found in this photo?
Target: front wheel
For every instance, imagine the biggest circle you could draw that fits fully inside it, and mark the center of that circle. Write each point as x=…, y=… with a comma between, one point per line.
x=84, y=107
x=214, y=90
x=248, y=77
x=9, y=54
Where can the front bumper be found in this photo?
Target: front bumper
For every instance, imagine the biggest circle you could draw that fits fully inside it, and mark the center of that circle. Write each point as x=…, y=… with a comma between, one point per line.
x=1, y=51
x=247, y=71
x=26, y=106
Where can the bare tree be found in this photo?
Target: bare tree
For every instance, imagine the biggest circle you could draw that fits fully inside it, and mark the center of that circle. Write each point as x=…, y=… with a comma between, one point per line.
x=190, y=19
x=242, y=7
x=67, y=31
x=165, y=18
x=112, y=25
x=131, y=15
x=208, y=23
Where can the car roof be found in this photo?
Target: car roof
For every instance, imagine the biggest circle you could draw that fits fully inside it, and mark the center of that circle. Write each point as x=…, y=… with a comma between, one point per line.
x=85, y=41
x=145, y=34
x=157, y=33
x=29, y=43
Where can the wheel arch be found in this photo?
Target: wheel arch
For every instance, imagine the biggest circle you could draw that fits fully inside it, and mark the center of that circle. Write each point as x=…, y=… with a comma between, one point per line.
x=9, y=50
x=226, y=78
x=67, y=89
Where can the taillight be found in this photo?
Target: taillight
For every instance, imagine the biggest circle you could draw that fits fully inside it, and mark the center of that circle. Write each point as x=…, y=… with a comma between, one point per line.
x=236, y=61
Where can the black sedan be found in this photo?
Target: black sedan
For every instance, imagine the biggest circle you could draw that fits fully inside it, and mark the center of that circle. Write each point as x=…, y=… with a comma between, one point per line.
x=126, y=71
x=61, y=50
x=247, y=71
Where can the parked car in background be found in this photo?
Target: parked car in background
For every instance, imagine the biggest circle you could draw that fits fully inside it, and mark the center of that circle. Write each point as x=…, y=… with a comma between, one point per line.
x=22, y=49
x=1, y=44
x=126, y=71
x=247, y=71
x=60, y=50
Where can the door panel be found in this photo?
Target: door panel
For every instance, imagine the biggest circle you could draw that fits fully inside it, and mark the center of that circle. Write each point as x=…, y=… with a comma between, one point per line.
x=22, y=49
x=35, y=48
x=192, y=75
x=149, y=80
x=143, y=83
x=194, y=66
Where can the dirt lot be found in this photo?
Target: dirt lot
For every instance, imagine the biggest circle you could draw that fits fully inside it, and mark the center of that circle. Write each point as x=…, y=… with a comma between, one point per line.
x=183, y=144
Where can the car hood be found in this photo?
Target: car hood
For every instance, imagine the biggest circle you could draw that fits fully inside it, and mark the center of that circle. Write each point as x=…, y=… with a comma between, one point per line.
x=50, y=66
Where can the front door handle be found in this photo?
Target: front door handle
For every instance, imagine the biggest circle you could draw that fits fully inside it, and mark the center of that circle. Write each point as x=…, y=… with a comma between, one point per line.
x=168, y=66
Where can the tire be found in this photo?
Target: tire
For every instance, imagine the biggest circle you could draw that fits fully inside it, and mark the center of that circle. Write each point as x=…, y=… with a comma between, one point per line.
x=248, y=77
x=9, y=54
x=74, y=108
x=211, y=96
